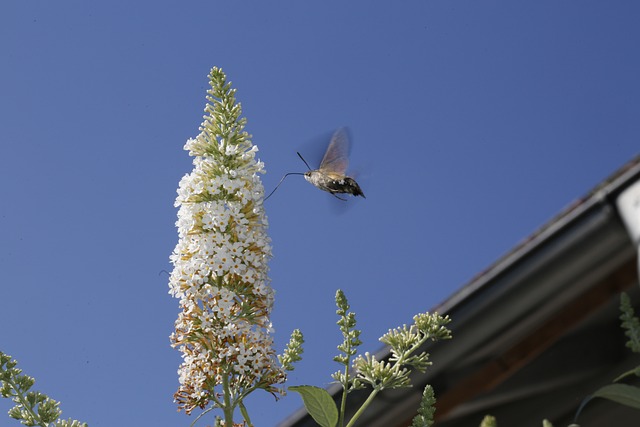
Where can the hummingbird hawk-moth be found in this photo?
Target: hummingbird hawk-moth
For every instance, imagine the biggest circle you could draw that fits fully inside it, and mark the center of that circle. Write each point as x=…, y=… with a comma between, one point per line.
x=331, y=175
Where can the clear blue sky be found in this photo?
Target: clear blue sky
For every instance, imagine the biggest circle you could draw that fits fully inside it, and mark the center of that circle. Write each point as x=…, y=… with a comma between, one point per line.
x=473, y=123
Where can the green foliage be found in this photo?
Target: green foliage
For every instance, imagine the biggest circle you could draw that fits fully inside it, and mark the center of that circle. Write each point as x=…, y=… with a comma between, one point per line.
x=319, y=404
x=366, y=370
x=69, y=423
x=623, y=394
x=489, y=421
x=32, y=408
x=630, y=323
x=426, y=409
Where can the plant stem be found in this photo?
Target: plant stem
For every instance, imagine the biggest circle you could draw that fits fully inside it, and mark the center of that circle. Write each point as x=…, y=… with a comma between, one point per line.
x=25, y=404
x=228, y=409
x=345, y=390
x=363, y=407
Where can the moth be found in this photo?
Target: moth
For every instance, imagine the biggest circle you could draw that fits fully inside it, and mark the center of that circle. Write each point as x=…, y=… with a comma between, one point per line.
x=331, y=176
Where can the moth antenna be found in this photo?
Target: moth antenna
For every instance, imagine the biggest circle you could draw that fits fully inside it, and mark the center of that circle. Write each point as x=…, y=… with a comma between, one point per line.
x=305, y=162
x=282, y=179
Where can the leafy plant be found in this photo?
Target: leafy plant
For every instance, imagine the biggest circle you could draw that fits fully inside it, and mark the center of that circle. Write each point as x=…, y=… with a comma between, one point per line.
x=366, y=371
x=623, y=394
x=32, y=408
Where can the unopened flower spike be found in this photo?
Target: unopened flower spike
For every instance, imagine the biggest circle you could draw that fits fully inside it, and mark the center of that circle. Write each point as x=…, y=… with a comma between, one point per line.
x=426, y=410
x=351, y=338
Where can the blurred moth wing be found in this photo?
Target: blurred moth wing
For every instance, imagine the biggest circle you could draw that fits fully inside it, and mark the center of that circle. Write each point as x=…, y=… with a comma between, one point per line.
x=336, y=159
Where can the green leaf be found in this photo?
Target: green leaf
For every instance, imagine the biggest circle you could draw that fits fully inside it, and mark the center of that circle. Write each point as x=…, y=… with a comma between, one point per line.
x=635, y=371
x=319, y=404
x=621, y=393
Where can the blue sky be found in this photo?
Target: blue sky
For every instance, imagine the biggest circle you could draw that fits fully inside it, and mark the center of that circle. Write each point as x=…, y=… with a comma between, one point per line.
x=473, y=123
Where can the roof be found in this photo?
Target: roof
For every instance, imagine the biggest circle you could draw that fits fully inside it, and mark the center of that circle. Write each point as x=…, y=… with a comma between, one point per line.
x=534, y=333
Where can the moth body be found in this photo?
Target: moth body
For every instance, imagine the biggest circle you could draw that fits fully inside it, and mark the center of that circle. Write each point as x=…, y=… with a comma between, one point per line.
x=333, y=183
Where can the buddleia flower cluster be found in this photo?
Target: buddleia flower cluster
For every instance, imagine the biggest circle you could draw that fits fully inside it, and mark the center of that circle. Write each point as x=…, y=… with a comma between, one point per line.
x=220, y=265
